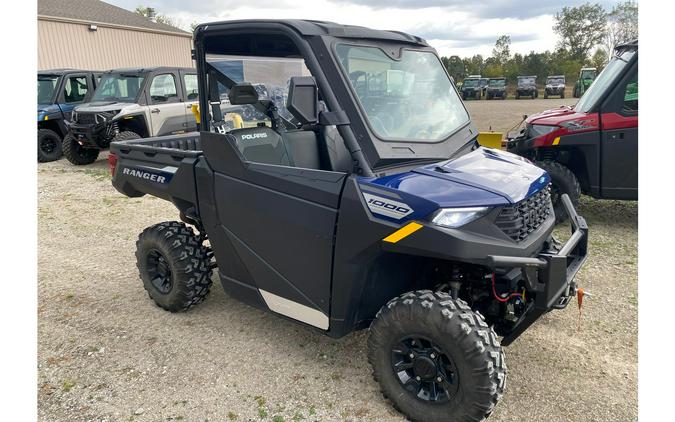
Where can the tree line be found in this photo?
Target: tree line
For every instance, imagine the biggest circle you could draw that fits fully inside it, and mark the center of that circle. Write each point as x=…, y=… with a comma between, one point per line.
x=587, y=36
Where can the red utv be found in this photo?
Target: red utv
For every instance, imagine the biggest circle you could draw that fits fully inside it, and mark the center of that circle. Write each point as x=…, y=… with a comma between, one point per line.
x=591, y=148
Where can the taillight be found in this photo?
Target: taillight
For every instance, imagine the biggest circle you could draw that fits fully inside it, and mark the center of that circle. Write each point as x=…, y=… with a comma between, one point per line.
x=112, y=163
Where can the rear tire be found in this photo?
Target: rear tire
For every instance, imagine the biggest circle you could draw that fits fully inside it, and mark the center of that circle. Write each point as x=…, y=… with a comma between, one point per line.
x=76, y=153
x=48, y=146
x=562, y=181
x=467, y=358
x=174, y=265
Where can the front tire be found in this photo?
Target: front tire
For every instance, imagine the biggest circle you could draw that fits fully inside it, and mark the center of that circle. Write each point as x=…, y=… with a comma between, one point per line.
x=562, y=181
x=126, y=136
x=436, y=359
x=174, y=265
x=76, y=153
x=49, y=146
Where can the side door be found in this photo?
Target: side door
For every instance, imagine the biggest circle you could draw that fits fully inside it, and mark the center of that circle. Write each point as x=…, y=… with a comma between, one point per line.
x=167, y=109
x=191, y=98
x=272, y=218
x=619, y=139
x=76, y=90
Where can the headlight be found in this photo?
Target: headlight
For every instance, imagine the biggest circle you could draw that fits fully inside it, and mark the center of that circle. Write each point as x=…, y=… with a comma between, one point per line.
x=457, y=217
x=73, y=117
x=540, y=130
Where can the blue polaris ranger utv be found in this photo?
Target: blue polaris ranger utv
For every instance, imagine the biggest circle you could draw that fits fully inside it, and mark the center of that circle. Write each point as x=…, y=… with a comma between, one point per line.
x=363, y=201
x=59, y=92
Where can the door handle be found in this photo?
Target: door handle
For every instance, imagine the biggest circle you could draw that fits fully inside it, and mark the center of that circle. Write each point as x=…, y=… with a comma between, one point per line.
x=615, y=136
x=154, y=110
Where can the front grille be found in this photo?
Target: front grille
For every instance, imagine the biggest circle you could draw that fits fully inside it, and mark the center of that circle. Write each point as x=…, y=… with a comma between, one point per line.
x=521, y=219
x=86, y=118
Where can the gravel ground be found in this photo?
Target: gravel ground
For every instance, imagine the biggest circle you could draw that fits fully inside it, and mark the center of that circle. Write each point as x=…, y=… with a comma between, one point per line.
x=106, y=352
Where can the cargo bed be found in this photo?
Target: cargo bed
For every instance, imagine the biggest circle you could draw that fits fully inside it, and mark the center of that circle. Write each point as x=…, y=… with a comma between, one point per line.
x=161, y=166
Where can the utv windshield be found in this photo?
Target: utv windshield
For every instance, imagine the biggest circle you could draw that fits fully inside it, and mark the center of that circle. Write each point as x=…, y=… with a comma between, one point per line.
x=588, y=74
x=604, y=80
x=411, y=99
x=497, y=83
x=471, y=83
x=46, y=88
x=556, y=81
x=120, y=87
x=526, y=81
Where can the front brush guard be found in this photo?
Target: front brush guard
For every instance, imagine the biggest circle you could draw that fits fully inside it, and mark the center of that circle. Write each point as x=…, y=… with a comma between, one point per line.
x=549, y=276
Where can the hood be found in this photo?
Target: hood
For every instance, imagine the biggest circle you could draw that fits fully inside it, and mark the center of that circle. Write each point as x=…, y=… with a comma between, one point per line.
x=44, y=110
x=101, y=106
x=483, y=177
x=556, y=116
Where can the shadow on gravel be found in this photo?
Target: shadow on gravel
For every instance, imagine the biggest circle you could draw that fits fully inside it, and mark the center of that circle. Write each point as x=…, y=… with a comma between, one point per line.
x=607, y=212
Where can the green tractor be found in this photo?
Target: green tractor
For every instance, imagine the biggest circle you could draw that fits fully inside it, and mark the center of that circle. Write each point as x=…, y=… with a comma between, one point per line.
x=586, y=77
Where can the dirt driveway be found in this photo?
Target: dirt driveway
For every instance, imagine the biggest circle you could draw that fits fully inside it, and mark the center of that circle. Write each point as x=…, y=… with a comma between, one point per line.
x=106, y=352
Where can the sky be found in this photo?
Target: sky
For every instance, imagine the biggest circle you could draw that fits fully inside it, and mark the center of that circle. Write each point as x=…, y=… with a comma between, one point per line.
x=452, y=27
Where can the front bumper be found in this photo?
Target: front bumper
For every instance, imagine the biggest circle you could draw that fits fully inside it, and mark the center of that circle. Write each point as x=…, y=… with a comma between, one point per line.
x=471, y=92
x=555, y=91
x=90, y=135
x=549, y=276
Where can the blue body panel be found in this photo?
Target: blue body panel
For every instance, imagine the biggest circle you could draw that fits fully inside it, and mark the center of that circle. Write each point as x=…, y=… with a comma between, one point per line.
x=483, y=177
x=53, y=111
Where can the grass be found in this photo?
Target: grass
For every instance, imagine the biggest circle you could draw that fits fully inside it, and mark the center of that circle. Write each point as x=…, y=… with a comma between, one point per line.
x=262, y=412
x=99, y=174
x=67, y=385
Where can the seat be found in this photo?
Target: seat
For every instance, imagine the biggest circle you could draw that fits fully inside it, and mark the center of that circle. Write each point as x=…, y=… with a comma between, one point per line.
x=303, y=147
x=261, y=145
x=334, y=152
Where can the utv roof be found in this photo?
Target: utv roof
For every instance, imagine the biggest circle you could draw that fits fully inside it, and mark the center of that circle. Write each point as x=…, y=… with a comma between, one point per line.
x=62, y=71
x=627, y=45
x=555, y=76
x=314, y=28
x=527, y=76
x=147, y=69
x=497, y=78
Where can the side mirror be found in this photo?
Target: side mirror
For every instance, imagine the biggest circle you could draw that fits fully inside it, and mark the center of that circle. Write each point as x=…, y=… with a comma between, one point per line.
x=243, y=93
x=303, y=99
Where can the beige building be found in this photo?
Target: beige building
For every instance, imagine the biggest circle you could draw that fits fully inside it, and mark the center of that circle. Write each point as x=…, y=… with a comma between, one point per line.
x=94, y=35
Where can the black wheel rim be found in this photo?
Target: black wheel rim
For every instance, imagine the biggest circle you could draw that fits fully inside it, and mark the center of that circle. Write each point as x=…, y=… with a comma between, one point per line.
x=424, y=369
x=159, y=271
x=48, y=144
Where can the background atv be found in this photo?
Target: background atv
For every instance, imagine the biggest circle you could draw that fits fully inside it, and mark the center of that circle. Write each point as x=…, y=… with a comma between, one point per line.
x=593, y=147
x=365, y=210
x=555, y=85
x=59, y=91
x=527, y=87
x=472, y=88
x=496, y=88
x=586, y=77
x=131, y=104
